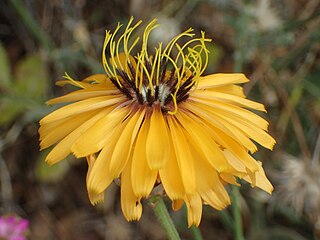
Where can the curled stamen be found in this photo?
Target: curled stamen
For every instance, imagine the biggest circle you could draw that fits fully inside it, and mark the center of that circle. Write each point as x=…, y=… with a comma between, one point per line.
x=166, y=77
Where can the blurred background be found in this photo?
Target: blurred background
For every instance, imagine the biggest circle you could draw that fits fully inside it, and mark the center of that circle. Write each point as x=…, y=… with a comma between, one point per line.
x=274, y=42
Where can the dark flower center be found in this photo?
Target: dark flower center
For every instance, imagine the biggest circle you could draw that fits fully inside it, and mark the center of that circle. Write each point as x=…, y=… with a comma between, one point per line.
x=163, y=90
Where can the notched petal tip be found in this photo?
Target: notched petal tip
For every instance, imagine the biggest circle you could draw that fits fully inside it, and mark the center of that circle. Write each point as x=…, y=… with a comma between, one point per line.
x=130, y=212
x=42, y=147
x=94, y=197
x=268, y=142
x=194, y=205
x=273, y=143
x=96, y=182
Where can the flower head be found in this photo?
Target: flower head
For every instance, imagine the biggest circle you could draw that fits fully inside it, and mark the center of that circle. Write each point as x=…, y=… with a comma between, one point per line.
x=154, y=119
x=13, y=228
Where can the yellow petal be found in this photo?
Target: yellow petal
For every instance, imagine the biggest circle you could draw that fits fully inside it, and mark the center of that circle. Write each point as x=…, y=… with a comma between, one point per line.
x=93, y=197
x=95, y=80
x=183, y=156
x=81, y=107
x=221, y=79
x=54, y=132
x=157, y=145
x=47, y=128
x=228, y=98
x=229, y=178
x=228, y=143
x=98, y=78
x=93, y=139
x=171, y=177
x=229, y=89
x=259, y=179
x=203, y=112
x=123, y=147
x=203, y=142
x=130, y=204
x=251, y=130
x=142, y=177
x=83, y=94
x=209, y=185
x=233, y=111
x=177, y=204
x=99, y=178
x=244, y=124
x=236, y=163
x=194, y=205
x=63, y=148
x=212, y=196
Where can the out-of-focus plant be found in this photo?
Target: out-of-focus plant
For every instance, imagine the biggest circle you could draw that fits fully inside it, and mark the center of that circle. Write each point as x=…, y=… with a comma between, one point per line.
x=22, y=92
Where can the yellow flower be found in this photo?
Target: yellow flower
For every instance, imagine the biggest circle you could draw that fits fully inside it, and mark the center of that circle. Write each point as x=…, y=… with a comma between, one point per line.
x=155, y=120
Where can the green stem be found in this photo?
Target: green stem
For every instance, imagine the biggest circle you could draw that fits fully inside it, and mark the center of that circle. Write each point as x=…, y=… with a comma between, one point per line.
x=238, y=66
x=236, y=211
x=227, y=220
x=196, y=233
x=164, y=218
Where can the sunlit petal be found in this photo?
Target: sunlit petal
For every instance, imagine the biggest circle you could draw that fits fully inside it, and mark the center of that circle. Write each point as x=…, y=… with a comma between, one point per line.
x=142, y=177
x=157, y=144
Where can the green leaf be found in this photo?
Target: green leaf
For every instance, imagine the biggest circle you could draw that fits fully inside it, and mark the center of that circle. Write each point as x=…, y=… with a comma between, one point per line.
x=54, y=173
x=5, y=76
x=31, y=77
x=26, y=91
x=9, y=110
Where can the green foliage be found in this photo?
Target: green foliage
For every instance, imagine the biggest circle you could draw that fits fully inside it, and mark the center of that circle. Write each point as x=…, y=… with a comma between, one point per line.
x=23, y=91
x=46, y=173
x=31, y=77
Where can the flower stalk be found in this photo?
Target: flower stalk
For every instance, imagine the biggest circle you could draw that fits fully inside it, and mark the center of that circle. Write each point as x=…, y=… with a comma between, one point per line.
x=236, y=211
x=163, y=217
x=196, y=233
x=239, y=59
